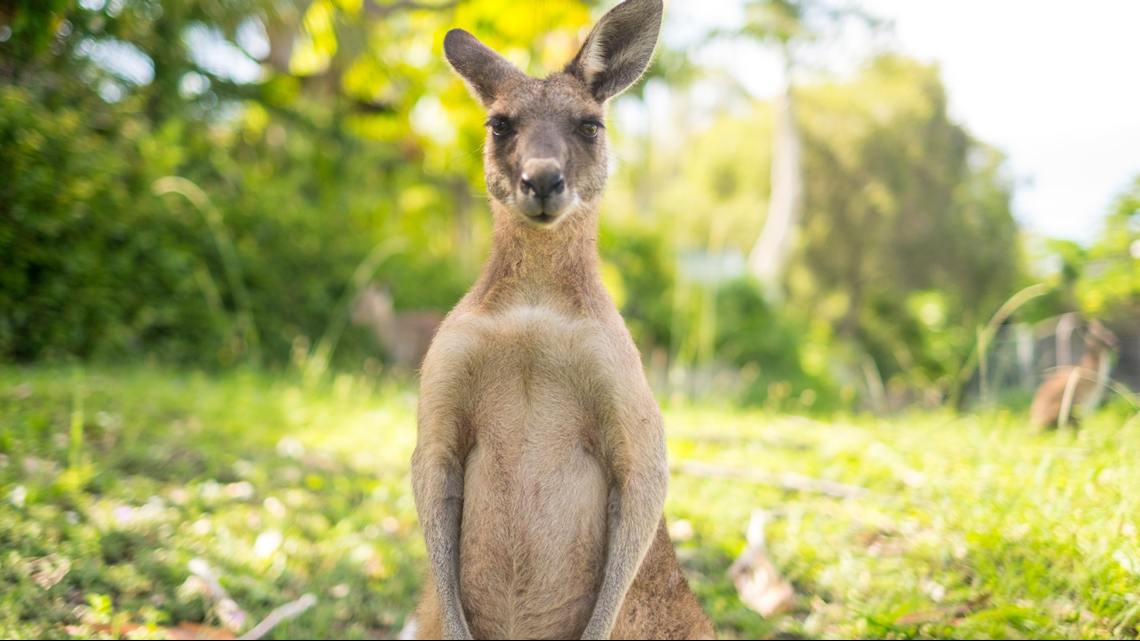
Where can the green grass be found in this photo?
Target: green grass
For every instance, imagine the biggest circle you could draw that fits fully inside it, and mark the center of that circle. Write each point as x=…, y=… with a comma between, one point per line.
x=974, y=526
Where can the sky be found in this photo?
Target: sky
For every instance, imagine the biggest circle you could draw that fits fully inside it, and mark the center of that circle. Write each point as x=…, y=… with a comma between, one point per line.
x=1056, y=86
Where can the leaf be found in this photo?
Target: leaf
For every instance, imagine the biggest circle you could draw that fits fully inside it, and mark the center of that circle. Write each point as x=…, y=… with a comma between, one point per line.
x=758, y=583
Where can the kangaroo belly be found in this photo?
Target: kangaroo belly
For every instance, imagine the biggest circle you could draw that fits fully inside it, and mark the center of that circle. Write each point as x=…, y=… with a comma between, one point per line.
x=533, y=529
x=532, y=541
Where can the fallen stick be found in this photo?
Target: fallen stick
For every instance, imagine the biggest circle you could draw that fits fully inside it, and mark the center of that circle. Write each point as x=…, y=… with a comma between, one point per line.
x=286, y=612
x=230, y=613
x=785, y=480
x=741, y=440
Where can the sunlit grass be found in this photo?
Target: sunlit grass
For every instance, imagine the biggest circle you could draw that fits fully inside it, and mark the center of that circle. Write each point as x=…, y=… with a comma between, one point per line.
x=974, y=525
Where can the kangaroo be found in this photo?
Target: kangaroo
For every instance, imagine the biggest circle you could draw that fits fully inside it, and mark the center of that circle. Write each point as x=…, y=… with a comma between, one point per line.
x=405, y=336
x=1045, y=412
x=539, y=472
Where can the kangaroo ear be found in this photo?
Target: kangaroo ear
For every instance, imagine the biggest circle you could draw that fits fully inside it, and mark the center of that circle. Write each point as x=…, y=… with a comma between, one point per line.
x=618, y=50
x=484, y=72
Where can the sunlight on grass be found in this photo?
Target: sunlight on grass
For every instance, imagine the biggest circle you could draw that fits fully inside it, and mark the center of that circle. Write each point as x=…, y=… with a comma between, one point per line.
x=973, y=526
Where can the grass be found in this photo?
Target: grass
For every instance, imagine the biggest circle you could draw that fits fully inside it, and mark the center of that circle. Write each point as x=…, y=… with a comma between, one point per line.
x=112, y=481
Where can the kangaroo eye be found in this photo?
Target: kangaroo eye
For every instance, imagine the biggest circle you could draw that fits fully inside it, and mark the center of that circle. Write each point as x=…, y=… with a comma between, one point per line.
x=588, y=129
x=500, y=126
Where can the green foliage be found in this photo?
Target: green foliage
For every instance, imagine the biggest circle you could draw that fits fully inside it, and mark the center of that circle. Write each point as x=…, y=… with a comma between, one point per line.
x=899, y=200
x=1110, y=285
x=1101, y=280
x=975, y=526
x=637, y=257
x=751, y=334
x=35, y=25
x=349, y=130
x=334, y=126
x=91, y=263
x=903, y=212
x=1061, y=262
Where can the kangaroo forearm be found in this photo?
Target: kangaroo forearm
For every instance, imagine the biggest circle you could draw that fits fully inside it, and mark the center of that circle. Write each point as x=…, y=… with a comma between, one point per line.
x=438, y=492
x=637, y=512
x=441, y=538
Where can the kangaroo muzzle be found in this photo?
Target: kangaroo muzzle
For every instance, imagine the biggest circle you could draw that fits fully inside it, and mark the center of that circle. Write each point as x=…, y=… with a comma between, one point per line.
x=542, y=190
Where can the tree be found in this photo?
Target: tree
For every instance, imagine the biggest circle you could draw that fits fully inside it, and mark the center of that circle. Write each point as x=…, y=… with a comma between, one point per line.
x=785, y=25
x=906, y=237
x=899, y=201
x=1109, y=284
x=318, y=128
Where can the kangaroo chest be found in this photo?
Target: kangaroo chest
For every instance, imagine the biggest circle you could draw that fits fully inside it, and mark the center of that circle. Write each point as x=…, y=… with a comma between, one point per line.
x=534, y=466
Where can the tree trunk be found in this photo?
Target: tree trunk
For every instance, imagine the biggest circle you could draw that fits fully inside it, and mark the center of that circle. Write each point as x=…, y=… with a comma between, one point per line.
x=282, y=25
x=770, y=255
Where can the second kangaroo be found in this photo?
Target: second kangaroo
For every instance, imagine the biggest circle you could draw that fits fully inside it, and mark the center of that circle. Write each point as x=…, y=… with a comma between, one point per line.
x=539, y=472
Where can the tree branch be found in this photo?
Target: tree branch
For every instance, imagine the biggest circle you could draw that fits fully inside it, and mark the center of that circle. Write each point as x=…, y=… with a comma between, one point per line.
x=786, y=480
x=375, y=9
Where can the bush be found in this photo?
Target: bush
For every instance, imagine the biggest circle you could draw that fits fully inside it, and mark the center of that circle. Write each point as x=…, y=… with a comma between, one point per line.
x=639, y=257
x=96, y=266
x=92, y=265
x=758, y=339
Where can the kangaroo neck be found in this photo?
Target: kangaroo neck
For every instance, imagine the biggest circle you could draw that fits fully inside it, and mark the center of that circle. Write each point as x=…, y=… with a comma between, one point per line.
x=542, y=265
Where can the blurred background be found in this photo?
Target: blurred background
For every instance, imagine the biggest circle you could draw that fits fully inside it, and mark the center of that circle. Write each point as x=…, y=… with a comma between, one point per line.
x=234, y=223
x=802, y=208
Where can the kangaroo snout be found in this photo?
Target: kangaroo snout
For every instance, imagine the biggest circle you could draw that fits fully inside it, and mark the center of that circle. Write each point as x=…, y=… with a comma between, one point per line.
x=542, y=186
x=545, y=181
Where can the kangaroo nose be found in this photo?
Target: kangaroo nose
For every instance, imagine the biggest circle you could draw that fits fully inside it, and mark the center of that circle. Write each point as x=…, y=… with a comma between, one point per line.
x=543, y=179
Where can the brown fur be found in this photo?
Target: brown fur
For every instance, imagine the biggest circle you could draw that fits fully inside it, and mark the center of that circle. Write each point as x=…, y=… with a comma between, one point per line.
x=540, y=471
x=405, y=336
x=1045, y=412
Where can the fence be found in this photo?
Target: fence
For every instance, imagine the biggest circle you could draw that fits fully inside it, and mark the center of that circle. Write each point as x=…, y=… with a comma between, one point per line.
x=1022, y=356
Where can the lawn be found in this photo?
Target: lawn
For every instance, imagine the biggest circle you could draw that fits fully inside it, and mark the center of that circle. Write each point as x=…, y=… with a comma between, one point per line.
x=113, y=481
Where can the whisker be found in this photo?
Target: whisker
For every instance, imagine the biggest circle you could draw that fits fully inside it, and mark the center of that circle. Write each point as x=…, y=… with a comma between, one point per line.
x=641, y=175
x=464, y=156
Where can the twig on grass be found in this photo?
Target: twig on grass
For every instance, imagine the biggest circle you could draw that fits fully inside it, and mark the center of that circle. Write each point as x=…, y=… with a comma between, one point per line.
x=230, y=613
x=785, y=480
x=286, y=612
x=233, y=617
x=731, y=439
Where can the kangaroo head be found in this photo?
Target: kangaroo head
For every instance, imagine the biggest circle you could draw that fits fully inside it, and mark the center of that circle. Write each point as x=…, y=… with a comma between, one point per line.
x=374, y=303
x=1100, y=337
x=545, y=155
